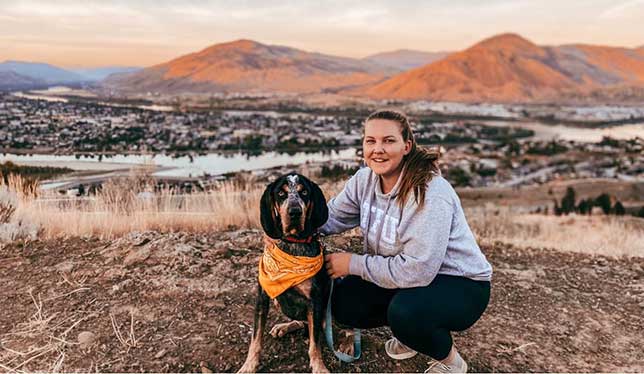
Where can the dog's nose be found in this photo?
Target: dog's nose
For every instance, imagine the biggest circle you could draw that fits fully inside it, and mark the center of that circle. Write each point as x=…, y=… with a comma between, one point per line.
x=295, y=211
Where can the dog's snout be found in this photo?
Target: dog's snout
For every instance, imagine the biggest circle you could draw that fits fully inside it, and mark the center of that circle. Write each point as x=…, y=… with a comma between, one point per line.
x=294, y=211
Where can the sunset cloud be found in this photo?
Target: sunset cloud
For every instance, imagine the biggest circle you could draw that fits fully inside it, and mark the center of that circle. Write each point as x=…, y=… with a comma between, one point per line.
x=145, y=32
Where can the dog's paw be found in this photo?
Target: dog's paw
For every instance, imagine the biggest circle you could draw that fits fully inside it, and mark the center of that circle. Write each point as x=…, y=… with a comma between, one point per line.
x=248, y=367
x=282, y=329
x=318, y=367
x=345, y=342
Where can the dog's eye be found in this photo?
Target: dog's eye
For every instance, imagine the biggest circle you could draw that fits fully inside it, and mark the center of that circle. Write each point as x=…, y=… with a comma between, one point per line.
x=304, y=192
x=281, y=194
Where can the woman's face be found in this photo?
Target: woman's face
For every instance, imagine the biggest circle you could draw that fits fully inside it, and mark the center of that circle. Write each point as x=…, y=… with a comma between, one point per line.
x=383, y=147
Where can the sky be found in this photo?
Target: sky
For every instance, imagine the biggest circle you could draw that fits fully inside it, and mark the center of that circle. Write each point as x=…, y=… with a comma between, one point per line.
x=92, y=33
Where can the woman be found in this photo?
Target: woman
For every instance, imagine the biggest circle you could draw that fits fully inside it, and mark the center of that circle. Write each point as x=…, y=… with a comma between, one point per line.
x=422, y=272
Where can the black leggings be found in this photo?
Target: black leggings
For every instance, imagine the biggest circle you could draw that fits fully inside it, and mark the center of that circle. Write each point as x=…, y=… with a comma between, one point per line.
x=420, y=317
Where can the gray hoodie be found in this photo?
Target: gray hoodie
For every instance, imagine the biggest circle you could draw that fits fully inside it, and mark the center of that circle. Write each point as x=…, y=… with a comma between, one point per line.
x=407, y=248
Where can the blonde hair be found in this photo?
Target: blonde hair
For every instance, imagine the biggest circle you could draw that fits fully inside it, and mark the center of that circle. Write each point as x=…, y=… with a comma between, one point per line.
x=419, y=165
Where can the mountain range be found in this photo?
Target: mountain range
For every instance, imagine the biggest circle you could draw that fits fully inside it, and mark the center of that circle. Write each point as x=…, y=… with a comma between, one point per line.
x=29, y=75
x=249, y=66
x=509, y=68
x=405, y=59
x=502, y=68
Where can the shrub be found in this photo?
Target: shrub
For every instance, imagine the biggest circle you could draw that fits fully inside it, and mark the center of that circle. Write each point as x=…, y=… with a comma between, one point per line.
x=603, y=201
x=618, y=209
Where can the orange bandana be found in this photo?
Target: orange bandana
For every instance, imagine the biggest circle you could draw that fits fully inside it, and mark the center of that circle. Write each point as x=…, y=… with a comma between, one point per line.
x=279, y=271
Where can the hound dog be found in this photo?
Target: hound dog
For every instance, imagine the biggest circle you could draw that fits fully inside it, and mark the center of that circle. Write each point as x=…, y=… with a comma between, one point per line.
x=291, y=270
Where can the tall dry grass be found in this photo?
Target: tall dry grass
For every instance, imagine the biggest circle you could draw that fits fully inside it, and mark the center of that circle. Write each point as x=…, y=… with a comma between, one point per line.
x=601, y=235
x=124, y=205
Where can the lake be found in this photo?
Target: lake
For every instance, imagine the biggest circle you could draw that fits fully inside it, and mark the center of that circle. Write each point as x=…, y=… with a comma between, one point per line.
x=587, y=135
x=213, y=163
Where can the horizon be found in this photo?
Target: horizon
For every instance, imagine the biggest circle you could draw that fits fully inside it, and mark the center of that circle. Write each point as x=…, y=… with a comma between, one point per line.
x=75, y=35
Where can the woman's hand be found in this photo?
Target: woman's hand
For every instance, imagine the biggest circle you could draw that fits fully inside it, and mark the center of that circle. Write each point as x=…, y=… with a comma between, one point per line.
x=337, y=264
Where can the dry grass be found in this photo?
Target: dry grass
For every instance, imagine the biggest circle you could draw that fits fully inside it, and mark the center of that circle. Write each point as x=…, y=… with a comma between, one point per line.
x=601, y=235
x=120, y=208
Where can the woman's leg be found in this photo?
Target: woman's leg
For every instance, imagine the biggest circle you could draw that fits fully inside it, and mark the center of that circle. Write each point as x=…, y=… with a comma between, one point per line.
x=423, y=317
x=360, y=304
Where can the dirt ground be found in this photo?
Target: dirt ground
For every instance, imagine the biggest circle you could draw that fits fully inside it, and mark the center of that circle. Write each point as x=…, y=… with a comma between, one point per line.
x=181, y=302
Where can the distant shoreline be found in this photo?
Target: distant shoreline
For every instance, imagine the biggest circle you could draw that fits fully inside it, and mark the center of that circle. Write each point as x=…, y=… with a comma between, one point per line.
x=285, y=105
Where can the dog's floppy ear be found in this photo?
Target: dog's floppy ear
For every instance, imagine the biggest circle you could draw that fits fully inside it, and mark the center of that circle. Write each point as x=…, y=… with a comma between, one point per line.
x=271, y=223
x=320, y=211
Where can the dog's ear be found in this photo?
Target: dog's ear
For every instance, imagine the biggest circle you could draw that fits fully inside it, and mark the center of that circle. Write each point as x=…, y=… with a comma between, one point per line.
x=320, y=211
x=271, y=222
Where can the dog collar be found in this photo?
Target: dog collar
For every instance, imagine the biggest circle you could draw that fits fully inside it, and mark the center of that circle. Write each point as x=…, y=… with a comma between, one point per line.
x=292, y=239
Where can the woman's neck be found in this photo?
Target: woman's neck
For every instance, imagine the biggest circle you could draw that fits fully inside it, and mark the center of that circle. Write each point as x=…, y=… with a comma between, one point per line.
x=387, y=183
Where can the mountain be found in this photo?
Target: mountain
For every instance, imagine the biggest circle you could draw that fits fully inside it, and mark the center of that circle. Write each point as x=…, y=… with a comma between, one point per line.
x=510, y=68
x=405, y=59
x=40, y=71
x=10, y=80
x=249, y=66
x=97, y=74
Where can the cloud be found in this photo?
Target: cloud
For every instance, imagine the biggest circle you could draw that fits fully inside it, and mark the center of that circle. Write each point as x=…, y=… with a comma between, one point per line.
x=625, y=9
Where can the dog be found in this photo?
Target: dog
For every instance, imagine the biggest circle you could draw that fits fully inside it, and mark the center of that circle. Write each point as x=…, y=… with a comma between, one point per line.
x=292, y=208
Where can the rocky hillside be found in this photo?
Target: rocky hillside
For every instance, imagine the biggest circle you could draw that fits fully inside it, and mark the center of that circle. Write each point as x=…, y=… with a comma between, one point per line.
x=405, y=59
x=249, y=66
x=509, y=68
x=183, y=302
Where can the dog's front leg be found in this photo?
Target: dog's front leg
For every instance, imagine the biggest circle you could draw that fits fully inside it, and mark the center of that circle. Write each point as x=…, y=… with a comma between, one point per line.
x=254, y=351
x=315, y=317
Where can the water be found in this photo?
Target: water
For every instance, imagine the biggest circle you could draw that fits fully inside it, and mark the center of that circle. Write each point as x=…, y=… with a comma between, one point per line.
x=213, y=163
x=50, y=95
x=585, y=135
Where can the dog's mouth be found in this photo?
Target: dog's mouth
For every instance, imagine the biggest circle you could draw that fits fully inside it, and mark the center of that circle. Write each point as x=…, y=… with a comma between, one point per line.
x=294, y=227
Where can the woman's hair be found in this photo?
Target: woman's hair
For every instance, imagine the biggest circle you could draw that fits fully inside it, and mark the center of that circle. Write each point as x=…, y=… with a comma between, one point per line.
x=419, y=165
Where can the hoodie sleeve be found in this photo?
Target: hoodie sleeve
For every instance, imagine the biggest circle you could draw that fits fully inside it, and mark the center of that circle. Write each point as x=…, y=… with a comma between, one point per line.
x=344, y=209
x=424, y=237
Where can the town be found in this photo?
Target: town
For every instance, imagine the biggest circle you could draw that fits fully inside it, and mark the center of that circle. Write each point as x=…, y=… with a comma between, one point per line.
x=477, y=154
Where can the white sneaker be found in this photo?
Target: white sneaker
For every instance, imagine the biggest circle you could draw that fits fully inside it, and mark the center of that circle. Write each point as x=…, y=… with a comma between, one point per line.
x=439, y=367
x=397, y=350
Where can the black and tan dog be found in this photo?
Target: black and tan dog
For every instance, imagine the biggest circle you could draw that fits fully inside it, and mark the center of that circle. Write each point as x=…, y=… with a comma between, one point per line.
x=292, y=208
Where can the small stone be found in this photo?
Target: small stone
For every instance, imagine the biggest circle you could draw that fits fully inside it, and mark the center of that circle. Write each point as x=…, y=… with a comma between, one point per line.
x=160, y=354
x=137, y=256
x=85, y=339
x=204, y=368
x=65, y=267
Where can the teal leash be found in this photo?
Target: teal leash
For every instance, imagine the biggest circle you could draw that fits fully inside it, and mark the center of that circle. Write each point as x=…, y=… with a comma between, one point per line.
x=328, y=332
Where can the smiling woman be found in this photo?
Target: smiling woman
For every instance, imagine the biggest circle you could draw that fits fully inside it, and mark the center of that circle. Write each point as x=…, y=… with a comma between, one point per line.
x=422, y=272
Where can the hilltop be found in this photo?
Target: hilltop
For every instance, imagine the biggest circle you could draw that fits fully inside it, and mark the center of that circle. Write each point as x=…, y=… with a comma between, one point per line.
x=182, y=302
x=510, y=68
x=249, y=66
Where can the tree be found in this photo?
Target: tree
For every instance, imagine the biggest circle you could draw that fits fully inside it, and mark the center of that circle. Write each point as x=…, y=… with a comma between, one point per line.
x=557, y=209
x=583, y=206
x=603, y=201
x=568, y=201
x=619, y=209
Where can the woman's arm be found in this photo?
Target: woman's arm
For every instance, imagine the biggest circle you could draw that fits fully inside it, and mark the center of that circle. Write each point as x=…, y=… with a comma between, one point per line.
x=344, y=209
x=424, y=240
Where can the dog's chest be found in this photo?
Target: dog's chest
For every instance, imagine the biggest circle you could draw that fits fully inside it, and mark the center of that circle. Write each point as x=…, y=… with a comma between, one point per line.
x=295, y=301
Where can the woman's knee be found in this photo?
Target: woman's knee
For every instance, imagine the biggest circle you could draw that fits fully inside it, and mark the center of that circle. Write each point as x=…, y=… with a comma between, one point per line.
x=402, y=317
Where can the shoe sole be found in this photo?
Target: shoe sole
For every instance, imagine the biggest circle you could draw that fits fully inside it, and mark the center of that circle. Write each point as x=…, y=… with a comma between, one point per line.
x=402, y=356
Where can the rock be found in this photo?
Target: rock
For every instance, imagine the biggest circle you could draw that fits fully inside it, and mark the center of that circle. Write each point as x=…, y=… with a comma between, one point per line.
x=137, y=256
x=160, y=354
x=183, y=248
x=86, y=339
x=143, y=242
x=65, y=267
x=204, y=368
